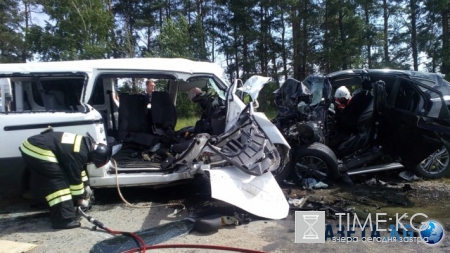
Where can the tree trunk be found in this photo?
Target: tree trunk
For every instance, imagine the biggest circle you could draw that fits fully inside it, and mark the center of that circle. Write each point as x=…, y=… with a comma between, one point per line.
x=303, y=73
x=283, y=45
x=149, y=38
x=27, y=18
x=368, y=37
x=213, y=16
x=412, y=4
x=325, y=41
x=385, y=34
x=295, y=40
x=236, y=52
x=343, y=40
x=245, y=58
x=446, y=41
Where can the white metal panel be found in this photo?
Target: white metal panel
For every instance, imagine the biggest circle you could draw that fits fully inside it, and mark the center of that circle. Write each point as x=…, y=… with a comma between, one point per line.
x=261, y=195
x=14, y=138
x=138, y=179
x=270, y=129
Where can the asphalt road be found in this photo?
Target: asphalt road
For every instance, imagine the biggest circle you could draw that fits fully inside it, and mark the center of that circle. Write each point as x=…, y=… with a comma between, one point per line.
x=25, y=221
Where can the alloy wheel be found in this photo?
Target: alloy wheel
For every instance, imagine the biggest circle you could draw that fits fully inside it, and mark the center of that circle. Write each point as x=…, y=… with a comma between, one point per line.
x=311, y=166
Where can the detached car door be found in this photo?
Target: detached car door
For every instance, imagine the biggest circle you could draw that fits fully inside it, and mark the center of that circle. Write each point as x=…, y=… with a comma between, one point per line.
x=416, y=121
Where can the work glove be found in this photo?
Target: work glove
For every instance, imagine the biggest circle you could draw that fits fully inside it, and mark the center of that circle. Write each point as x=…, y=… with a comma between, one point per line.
x=84, y=204
x=88, y=193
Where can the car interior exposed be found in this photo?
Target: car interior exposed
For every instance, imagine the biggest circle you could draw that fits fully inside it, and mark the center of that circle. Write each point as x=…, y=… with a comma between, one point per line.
x=146, y=129
x=46, y=94
x=387, y=123
x=127, y=117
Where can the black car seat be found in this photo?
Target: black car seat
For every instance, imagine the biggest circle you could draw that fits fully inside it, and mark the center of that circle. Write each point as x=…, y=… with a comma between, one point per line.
x=380, y=99
x=163, y=113
x=356, y=121
x=146, y=127
x=133, y=124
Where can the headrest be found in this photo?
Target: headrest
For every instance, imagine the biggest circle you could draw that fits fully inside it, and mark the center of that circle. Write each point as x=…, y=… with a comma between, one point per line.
x=366, y=84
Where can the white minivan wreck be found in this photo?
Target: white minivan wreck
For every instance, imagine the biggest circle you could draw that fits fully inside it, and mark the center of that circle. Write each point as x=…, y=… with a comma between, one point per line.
x=239, y=149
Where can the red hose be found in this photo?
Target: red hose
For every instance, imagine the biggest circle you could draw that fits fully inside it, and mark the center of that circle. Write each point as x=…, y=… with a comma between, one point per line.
x=195, y=246
x=143, y=245
x=113, y=232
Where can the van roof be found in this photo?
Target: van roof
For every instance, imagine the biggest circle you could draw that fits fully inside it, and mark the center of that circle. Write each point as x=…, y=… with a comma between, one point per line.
x=131, y=64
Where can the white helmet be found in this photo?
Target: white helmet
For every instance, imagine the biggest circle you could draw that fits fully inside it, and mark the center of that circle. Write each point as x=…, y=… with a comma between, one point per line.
x=342, y=92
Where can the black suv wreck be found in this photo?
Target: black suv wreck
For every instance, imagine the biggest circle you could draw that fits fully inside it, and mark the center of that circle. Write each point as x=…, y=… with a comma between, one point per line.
x=395, y=119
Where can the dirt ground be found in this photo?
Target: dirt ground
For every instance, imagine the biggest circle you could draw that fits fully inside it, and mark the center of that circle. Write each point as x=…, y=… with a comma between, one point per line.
x=28, y=222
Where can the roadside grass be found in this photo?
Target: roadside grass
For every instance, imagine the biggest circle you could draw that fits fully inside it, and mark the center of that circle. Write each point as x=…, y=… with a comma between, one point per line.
x=184, y=122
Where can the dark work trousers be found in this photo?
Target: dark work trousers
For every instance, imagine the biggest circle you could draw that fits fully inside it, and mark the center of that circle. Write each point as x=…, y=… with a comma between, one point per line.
x=50, y=182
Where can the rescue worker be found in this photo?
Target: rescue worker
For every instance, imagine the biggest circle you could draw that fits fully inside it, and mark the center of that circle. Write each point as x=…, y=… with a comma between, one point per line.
x=56, y=161
x=360, y=101
x=341, y=98
x=195, y=94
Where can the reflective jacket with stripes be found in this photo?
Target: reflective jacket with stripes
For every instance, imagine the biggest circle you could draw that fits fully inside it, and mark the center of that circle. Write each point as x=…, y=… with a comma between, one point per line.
x=71, y=151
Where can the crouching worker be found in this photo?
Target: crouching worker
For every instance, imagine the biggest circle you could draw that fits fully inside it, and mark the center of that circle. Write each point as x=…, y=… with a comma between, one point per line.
x=57, y=161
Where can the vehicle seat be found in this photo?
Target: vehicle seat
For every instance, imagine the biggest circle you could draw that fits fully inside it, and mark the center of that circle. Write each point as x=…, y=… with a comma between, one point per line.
x=414, y=103
x=358, y=105
x=133, y=124
x=380, y=98
x=55, y=100
x=163, y=113
x=356, y=121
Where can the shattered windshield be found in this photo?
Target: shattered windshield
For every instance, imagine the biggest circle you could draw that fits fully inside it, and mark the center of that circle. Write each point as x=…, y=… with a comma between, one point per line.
x=220, y=92
x=315, y=85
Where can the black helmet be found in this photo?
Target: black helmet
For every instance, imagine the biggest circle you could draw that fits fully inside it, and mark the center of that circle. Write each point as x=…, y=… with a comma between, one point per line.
x=100, y=155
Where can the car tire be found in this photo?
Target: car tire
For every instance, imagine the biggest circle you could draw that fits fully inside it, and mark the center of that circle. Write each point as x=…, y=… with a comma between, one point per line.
x=437, y=165
x=316, y=161
x=283, y=170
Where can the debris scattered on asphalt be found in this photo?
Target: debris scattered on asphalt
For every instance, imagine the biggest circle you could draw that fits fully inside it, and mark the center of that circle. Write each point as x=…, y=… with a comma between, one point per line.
x=311, y=183
x=371, y=181
x=407, y=187
x=408, y=176
x=289, y=182
x=297, y=202
x=320, y=185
